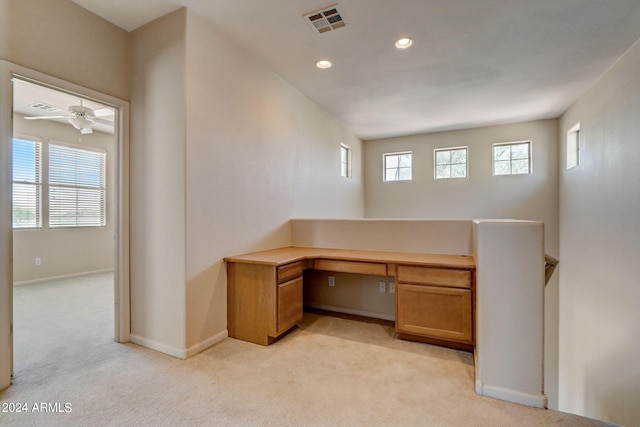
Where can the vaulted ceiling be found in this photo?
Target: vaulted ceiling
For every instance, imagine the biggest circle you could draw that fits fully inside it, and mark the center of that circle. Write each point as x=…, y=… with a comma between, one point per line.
x=473, y=62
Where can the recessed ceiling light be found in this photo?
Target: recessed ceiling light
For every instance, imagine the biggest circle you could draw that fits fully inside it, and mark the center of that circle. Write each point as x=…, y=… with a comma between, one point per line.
x=323, y=63
x=404, y=43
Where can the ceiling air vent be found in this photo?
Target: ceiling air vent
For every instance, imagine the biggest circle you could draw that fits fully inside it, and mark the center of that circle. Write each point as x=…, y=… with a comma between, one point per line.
x=44, y=107
x=327, y=19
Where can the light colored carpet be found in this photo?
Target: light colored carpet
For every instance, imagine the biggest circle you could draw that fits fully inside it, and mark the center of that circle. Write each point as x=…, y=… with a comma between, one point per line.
x=329, y=372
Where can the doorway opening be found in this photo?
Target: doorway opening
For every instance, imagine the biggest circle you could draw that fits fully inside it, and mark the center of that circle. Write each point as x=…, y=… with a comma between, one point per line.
x=67, y=152
x=63, y=224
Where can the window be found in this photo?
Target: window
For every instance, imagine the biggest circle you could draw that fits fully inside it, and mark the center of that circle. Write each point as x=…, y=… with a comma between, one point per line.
x=397, y=166
x=573, y=146
x=76, y=187
x=450, y=162
x=27, y=183
x=345, y=161
x=512, y=158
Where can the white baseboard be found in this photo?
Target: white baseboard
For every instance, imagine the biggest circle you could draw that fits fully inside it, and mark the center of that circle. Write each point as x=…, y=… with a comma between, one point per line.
x=62, y=277
x=355, y=311
x=180, y=353
x=195, y=349
x=535, y=400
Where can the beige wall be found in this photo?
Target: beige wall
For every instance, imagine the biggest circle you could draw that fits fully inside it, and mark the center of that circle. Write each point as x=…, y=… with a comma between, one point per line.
x=258, y=153
x=157, y=184
x=64, y=40
x=63, y=251
x=599, y=250
x=481, y=195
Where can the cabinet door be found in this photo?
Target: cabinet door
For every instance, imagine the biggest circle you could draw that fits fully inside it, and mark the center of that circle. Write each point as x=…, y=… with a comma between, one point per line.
x=289, y=304
x=436, y=312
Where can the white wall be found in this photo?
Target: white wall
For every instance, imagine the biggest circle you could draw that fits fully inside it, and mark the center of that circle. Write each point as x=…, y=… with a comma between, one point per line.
x=481, y=195
x=158, y=184
x=257, y=154
x=600, y=249
x=63, y=251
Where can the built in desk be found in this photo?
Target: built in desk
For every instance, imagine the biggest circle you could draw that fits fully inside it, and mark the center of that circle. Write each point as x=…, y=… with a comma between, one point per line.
x=435, y=294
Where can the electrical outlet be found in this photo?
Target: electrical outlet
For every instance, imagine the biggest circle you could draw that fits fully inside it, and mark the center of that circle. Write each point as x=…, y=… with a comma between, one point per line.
x=392, y=287
x=332, y=281
x=38, y=261
x=383, y=286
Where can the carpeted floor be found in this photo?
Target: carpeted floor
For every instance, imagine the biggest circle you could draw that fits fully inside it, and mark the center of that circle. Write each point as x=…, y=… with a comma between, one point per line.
x=331, y=371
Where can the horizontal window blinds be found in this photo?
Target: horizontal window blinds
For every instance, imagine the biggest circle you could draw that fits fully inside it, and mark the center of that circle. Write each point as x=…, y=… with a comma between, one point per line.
x=76, y=187
x=27, y=183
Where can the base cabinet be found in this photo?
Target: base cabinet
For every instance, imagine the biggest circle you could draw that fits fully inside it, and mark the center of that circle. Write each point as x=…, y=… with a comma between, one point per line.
x=289, y=305
x=435, y=304
x=434, y=294
x=263, y=302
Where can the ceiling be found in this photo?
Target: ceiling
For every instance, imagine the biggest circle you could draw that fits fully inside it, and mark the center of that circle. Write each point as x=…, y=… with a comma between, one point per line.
x=473, y=63
x=33, y=100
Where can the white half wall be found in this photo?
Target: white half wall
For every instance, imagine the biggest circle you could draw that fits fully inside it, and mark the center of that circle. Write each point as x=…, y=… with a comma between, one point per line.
x=510, y=310
x=440, y=236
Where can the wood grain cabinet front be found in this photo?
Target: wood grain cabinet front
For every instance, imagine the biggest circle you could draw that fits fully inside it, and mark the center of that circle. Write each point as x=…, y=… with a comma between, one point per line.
x=435, y=304
x=263, y=301
x=289, y=304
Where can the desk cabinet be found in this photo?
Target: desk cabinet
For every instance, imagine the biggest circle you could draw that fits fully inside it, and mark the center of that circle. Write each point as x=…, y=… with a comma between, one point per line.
x=435, y=305
x=434, y=293
x=263, y=301
x=289, y=306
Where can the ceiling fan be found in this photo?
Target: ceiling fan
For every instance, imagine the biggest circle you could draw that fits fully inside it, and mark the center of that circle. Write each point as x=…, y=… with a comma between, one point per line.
x=81, y=117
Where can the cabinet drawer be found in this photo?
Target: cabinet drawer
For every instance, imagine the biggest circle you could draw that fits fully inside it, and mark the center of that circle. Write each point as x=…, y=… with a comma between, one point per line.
x=290, y=271
x=289, y=304
x=436, y=312
x=434, y=276
x=373, y=268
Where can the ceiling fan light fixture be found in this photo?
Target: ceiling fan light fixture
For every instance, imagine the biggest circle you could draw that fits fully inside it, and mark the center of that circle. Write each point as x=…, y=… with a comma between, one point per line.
x=404, y=43
x=82, y=124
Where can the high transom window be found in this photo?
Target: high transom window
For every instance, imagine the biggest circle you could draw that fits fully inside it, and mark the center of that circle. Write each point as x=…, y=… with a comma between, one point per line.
x=450, y=162
x=512, y=158
x=397, y=166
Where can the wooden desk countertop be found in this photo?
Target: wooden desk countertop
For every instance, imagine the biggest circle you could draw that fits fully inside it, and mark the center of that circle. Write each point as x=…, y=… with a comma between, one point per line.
x=286, y=255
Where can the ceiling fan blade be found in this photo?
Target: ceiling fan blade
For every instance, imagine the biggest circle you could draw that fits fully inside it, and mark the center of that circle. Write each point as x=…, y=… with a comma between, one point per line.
x=102, y=121
x=47, y=117
x=103, y=112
